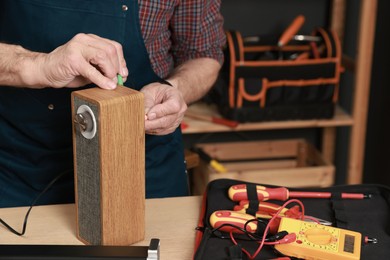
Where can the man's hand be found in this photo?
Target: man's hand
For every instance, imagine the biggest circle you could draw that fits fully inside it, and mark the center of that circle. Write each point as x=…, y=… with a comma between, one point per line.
x=84, y=59
x=164, y=108
x=165, y=105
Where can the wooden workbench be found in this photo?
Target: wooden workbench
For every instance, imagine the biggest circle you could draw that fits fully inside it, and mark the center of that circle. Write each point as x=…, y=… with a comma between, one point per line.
x=172, y=220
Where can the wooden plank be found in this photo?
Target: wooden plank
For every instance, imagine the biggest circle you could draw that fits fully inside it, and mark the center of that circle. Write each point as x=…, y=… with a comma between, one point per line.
x=194, y=126
x=259, y=165
x=362, y=90
x=337, y=21
x=312, y=171
x=251, y=149
x=302, y=154
x=200, y=178
x=297, y=177
x=328, y=143
x=56, y=224
x=316, y=157
x=192, y=159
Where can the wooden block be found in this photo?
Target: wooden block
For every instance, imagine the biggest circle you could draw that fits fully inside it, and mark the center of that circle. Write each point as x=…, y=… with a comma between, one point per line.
x=109, y=166
x=192, y=159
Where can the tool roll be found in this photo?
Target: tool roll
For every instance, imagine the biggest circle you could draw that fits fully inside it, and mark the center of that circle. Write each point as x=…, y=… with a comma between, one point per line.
x=262, y=80
x=369, y=216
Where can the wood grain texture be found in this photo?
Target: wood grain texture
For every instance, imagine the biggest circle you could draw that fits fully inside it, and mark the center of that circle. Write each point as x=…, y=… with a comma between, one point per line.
x=172, y=220
x=365, y=40
x=341, y=118
x=291, y=163
x=122, y=163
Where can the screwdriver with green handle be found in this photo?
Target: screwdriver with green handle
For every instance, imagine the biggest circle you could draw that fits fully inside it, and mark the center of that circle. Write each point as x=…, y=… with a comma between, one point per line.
x=239, y=192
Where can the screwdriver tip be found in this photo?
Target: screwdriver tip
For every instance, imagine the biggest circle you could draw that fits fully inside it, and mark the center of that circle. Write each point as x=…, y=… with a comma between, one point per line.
x=367, y=196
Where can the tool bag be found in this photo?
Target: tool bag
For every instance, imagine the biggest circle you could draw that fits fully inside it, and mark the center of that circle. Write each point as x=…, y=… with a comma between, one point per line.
x=261, y=81
x=370, y=217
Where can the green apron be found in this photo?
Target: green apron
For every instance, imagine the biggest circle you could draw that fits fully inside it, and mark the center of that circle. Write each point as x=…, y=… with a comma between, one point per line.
x=35, y=125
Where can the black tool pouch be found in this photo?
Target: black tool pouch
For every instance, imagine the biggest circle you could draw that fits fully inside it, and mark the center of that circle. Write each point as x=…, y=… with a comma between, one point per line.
x=370, y=217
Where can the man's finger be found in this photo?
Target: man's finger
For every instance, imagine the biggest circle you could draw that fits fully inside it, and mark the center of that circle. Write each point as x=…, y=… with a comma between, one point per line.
x=114, y=49
x=90, y=72
x=164, y=109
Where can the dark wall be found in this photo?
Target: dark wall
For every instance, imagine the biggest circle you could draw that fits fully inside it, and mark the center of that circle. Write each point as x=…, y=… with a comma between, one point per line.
x=266, y=17
x=377, y=160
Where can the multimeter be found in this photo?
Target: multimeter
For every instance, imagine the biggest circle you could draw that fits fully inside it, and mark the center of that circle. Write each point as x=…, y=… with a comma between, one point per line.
x=319, y=242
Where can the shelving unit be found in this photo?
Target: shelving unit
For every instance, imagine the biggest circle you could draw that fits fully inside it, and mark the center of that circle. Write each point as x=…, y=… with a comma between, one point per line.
x=341, y=118
x=361, y=66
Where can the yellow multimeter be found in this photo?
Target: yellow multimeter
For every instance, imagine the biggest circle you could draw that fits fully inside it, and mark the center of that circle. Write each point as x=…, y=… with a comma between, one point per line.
x=319, y=242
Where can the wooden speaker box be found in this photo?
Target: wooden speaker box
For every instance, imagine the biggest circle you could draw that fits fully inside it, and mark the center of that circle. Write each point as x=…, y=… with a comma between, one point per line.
x=109, y=164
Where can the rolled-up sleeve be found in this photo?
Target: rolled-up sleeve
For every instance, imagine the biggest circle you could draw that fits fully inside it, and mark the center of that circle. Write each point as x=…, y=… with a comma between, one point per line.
x=197, y=31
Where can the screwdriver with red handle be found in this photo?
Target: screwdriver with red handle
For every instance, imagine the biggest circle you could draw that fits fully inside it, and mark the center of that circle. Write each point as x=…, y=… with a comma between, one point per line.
x=239, y=192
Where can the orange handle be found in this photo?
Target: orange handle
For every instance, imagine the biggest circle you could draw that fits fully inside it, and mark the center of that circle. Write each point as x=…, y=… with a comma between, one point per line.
x=227, y=220
x=221, y=217
x=238, y=192
x=291, y=30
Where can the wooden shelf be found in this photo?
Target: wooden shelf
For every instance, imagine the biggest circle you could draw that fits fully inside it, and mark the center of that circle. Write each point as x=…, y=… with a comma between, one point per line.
x=195, y=126
x=359, y=65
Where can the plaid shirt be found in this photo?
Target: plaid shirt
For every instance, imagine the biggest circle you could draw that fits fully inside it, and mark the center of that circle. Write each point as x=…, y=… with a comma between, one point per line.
x=175, y=31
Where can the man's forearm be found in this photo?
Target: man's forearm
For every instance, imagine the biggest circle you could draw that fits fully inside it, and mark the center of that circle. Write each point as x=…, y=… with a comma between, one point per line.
x=195, y=77
x=17, y=65
x=85, y=59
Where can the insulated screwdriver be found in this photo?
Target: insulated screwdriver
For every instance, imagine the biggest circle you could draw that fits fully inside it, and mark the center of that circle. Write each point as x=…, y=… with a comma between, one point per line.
x=239, y=192
x=291, y=30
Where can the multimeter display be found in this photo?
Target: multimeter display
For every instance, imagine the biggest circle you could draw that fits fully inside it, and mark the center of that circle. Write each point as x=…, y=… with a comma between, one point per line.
x=315, y=241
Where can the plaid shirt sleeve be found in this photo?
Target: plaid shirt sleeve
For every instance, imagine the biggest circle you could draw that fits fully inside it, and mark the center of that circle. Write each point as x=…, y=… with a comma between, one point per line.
x=197, y=30
x=175, y=31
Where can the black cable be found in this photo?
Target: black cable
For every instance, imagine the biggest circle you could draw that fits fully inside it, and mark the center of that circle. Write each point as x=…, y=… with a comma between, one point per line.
x=251, y=236
x=213, y=231
x=32, y=205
